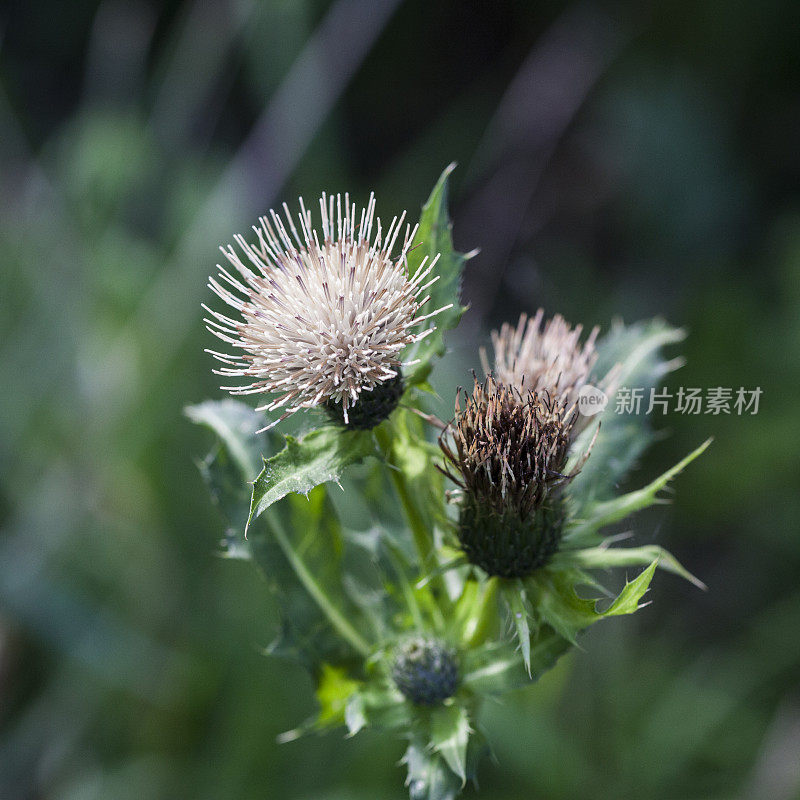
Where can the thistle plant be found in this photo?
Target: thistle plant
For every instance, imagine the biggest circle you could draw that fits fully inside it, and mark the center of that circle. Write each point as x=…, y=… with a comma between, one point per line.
x=463, y=583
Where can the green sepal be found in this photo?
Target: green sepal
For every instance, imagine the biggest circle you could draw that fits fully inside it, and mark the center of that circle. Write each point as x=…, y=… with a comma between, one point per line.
x=429, y=777
x=380, y=707
x=432, y=776
x=318, y=457
x=435, y=237
x=334, y=689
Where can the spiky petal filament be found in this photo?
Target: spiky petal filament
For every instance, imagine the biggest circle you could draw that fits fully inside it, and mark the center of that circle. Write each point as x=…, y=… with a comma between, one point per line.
x=321, y=321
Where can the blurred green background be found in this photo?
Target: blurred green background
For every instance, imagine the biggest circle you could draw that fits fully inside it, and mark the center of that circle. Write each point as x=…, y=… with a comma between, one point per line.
x=615, y=159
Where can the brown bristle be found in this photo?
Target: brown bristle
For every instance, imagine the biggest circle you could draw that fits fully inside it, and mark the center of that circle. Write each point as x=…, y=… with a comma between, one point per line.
x=508, y=447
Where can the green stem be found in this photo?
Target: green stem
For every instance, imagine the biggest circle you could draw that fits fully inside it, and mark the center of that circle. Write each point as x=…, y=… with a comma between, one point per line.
x=432, y=607
x=405, y=585
x=423, y=541
x=311, y=585
x=483, y=616
x=422, y=538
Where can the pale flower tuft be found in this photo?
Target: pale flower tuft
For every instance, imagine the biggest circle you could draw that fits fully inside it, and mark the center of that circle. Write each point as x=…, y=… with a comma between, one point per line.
x=543, y=359
x=321, y=321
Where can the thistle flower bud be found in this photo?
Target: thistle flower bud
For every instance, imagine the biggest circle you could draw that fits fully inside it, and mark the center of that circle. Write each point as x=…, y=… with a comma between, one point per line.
x=507, y=451
x=548, y=357
x=322, y=320
x=545, y=358
x=425, y=671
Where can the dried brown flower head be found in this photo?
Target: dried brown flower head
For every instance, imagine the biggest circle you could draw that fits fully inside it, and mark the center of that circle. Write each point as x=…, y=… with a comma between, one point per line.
x=508, y=447
x=507, y=451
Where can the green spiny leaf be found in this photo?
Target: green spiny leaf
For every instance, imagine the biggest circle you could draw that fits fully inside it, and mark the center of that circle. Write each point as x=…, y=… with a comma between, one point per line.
x=231, y=464
x=429, y=777
x=299, y=545
x=600, y=514
x=299, y=548
x=608, y=557
x=558, y=604
x=236, y=425
x=435, y=237
x=514, y=594
x=636, y=350
x=496, y=668
x=450, y=731
x=229, y=493
x=319, y=456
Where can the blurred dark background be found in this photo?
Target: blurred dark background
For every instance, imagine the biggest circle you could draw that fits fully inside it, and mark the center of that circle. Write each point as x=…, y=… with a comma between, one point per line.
x=615, y=159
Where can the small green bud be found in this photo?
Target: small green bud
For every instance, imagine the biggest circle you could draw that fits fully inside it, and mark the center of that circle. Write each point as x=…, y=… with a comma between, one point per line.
x=372, y=407
x=425, y=671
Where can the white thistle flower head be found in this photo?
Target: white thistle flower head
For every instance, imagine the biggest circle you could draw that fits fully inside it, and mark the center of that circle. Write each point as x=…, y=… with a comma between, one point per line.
x=322, y=322
x=546, y=359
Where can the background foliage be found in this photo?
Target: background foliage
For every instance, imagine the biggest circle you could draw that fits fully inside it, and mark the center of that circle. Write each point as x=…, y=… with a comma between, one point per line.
x=614, y=159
